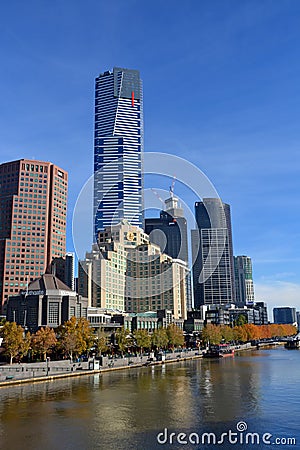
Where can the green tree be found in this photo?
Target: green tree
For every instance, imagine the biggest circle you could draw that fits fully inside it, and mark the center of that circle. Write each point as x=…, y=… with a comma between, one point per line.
x=160, y=338
x=212, y=334
x=43, y=341
x=175, y=336
x=241, y=320
x=142, y=338
x=12, y=340
x=122, y=339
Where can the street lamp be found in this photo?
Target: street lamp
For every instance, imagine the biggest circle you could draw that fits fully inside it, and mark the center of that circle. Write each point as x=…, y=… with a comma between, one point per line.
x=47, y=365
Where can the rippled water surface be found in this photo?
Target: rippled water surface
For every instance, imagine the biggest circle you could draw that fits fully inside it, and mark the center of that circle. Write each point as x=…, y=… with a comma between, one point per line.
x=127, y=409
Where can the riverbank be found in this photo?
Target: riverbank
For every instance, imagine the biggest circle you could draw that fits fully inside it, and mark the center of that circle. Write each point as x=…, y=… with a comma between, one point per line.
x=35, y=372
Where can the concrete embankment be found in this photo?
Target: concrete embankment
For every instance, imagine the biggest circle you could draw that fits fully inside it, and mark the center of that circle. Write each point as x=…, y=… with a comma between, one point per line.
x=26, y=373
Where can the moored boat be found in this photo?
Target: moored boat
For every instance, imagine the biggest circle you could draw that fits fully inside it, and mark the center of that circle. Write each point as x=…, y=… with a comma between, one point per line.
x=219, y=351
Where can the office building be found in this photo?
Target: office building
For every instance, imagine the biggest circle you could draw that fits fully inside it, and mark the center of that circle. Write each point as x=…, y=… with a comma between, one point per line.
x=125, y=271
x=213, y=273
x=155, y=281
x=46, y=302
x=169, y=231
x=285, y=315
x=118, y=149
x=101, y=275
x=244, y=289
x=33, y=207
x=63, y=268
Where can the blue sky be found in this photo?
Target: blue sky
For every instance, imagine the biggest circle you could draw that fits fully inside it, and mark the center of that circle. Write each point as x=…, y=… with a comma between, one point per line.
x=221, y=89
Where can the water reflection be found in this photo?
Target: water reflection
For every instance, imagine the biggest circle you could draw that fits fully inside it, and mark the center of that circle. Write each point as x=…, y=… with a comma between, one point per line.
x=127, y=409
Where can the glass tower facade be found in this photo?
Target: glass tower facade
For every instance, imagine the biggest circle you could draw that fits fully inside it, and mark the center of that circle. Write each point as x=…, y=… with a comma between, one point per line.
x=244, y=288
x=213, y=272
x=118, y=149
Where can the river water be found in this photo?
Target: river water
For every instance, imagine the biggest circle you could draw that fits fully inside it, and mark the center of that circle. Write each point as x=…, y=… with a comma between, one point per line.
x=140, y=408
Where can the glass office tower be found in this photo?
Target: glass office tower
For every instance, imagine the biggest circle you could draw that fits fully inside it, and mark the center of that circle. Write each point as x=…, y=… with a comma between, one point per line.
x=213, y=271
x=118, y=149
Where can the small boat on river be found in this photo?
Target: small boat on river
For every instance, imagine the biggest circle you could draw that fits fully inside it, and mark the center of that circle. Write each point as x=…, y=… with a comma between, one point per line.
x=219, y=351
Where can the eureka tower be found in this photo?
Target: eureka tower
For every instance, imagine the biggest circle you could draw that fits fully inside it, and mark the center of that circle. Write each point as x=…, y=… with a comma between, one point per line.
x=118, y=149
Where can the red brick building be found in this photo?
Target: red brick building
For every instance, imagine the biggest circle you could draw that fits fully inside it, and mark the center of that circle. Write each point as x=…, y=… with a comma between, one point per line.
x=33, y=208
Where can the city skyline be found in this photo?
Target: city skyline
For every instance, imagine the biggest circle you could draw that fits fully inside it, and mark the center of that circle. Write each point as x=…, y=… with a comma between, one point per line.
x=235, y=117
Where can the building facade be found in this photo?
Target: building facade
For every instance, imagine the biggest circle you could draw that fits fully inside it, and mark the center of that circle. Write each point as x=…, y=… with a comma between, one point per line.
x=64, y=268
x=213, y=273
x=244, y=288
x=285, y=315
x=118, y=149
x=46, y=302
x=33, y=208
x=169, y=231
x=124, y=271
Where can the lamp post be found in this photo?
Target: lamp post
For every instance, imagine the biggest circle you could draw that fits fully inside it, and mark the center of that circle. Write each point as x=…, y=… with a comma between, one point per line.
x=47, y=365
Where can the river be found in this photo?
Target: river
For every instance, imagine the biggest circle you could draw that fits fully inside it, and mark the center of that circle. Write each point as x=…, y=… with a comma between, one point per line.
x=254, y=392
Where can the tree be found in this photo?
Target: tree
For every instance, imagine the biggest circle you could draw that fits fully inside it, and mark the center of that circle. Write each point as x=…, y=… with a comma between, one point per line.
x=12, y=339
x=75, y=337
x=142, y=338
x=175, y=336
x=240, y=334
x=241, y=320
x=226, y=332
x=43, y=341
x=101, y=342
x=160, y=338
x=212, y=334
x=26, y=345
x=122, y=336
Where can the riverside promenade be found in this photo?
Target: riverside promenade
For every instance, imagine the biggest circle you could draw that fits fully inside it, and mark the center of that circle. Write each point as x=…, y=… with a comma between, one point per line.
x=50, y=370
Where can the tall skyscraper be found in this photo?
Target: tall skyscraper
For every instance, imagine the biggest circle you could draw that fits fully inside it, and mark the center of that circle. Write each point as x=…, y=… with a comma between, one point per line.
x=118, y=149
x=244, y=289
x=213, y=273
x=33, y=208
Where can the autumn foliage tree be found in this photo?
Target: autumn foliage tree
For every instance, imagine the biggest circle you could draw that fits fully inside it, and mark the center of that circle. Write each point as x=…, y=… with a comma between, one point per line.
x=212, y=334
x=75, y=337
x=43, y=341
x=14, y=343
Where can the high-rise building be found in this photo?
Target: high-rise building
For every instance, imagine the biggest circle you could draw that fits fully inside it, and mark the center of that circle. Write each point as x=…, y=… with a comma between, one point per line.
x=118, y=149
x=63, y=268
x=244, y=289
x=125, y=271
x=213, y=273
x=285, y=315
x=33, y=207
x=169, y=231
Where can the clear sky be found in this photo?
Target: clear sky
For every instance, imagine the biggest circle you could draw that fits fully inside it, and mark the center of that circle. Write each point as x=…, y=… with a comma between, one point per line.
x=221, y=89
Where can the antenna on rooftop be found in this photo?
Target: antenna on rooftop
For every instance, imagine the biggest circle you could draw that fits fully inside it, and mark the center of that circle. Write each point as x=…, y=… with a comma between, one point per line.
x=172, y=186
